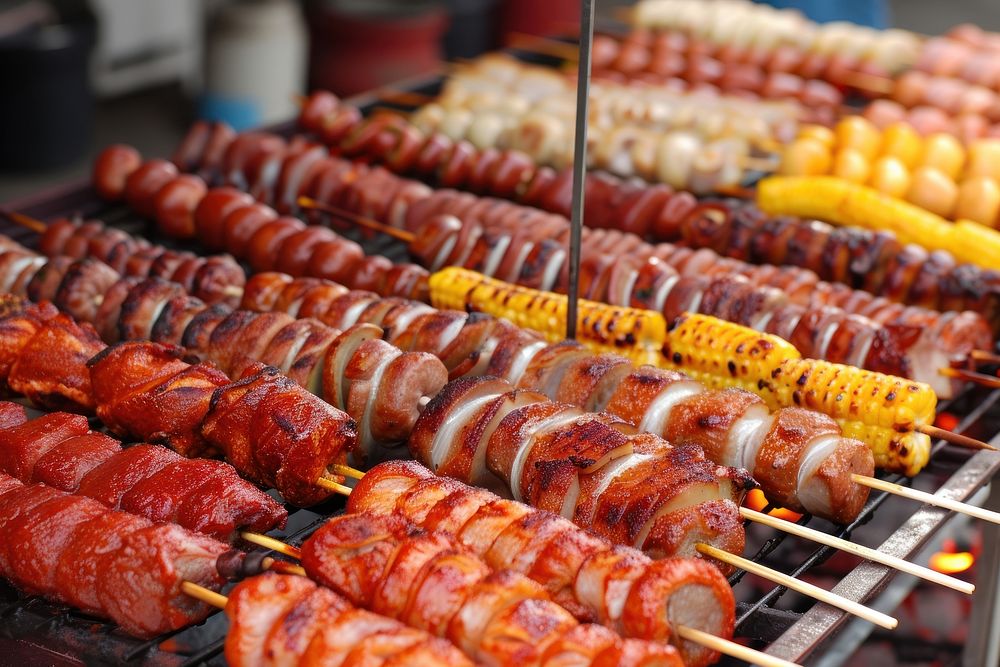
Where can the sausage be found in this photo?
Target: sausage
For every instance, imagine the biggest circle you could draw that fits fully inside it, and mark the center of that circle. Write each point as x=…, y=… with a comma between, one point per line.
x=210, y=214
x=262, y=249
x=175, y=204
x=142, y=185
x=112, y=168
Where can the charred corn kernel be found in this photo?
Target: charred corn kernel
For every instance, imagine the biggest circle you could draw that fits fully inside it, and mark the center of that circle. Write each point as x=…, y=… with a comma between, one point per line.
x=820, y=133
x=859, y=133
x=722, y=354
x=943, y=151
x=632, y=332
x=984, y=159
x=890, y=176
x=978, y=200
x=805, y=157
x=901, y=141
x=850, y=165
x=931, y=189
x=840, y=202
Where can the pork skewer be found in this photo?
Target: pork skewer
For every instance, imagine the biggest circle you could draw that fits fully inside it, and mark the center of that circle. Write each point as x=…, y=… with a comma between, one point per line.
x=77, y=551
x=435, y=504
x=327, y=559
x=201, y=495
x=280, y=620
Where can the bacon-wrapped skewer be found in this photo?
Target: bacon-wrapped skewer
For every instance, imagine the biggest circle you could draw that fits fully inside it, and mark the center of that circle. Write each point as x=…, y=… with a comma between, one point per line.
x=432, y=582
x=147, y=390
x=667, y=403
x=383, y=386
x=279, y=620
x=613, y=585
x=202, y=495
x=271, y=429
x=76, y=550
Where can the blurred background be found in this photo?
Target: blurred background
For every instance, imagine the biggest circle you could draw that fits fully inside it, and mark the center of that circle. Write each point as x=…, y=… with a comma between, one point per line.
x=79, y=74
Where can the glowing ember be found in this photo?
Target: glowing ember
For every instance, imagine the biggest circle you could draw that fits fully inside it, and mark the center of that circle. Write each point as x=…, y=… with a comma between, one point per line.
x=756, y=501
x=952, y=563
x=947, y=421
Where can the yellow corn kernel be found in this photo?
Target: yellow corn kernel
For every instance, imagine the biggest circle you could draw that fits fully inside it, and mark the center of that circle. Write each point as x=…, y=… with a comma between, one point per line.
x=890, y=176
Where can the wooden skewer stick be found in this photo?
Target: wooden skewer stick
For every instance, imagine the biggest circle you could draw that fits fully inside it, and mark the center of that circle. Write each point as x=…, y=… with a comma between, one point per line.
x=401, y=234
x=731, y=648
x=346, y=471
x=985, y=356
x=952, y=437
x=982, y=379
x=26, y=221
x=331, y=485
x=272, y=544
x=858, y=550
x=805, y=588
x=700, y=637
x=928, y=498
x=206, y=595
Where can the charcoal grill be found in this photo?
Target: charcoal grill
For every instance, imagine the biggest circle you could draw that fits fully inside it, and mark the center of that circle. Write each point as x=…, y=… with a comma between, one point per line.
x=792, y=629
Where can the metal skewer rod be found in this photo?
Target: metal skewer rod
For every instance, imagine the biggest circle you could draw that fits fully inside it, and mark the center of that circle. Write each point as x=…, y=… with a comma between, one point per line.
x=579, y=161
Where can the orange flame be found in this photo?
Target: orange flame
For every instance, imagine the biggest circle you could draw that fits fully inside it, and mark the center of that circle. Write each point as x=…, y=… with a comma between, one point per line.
x=756, y=501
x=947, y=421
x=952, y=563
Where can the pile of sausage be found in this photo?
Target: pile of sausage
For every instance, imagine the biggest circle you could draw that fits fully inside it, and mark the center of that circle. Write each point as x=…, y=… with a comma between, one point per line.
x=431, y=581
x=202, y=495
x=697, y=141
x=681, y=62
x=613, y=585
x=527, y=246
x=965, y=53
x=666, y=403
x=748, y=24
x=192, y=408
x=875, y=262
x=929, y=120
x=372, y=381
x=249, y=230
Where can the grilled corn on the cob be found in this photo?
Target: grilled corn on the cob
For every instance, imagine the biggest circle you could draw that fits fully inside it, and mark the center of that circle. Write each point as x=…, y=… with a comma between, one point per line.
x=842, y=202
x=880, y=410
x=632, y=332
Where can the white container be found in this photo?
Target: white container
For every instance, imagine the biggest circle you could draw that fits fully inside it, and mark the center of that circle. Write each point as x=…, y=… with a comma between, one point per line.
x=255, y=63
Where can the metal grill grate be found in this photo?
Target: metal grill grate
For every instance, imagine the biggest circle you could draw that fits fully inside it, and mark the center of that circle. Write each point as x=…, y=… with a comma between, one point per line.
x=791, y=633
